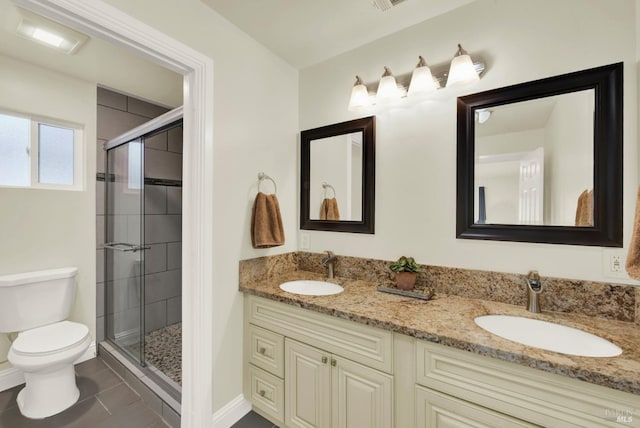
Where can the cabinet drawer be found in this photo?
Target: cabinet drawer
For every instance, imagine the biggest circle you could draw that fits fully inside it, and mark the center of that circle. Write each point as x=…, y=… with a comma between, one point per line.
x=266, y=350
x=370, y=346
x=267, y=393
x=437, y=410
x=529, y=394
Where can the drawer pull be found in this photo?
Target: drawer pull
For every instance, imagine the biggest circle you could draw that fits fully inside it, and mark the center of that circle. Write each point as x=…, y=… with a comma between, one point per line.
x=324, y=360
x=333, y=362
x=262, y=393
x=262, y=351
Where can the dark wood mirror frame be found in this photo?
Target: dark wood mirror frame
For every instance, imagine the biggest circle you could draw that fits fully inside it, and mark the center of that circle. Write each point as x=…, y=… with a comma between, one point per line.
x=367, y=126
x=607, y=82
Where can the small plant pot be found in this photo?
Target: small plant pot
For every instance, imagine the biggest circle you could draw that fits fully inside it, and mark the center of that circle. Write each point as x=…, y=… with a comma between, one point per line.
x=406, y=280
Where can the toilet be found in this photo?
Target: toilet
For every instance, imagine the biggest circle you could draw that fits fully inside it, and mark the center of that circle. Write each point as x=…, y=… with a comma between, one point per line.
x=36, y=304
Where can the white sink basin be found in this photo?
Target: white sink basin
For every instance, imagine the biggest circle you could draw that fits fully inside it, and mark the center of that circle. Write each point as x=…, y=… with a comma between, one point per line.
x=311, y=288
x=549, y=336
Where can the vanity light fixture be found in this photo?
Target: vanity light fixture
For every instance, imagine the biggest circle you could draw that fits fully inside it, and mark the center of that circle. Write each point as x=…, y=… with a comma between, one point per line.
x=49, y=33
x=423, y=80
x=388, y=90
x=462, y=70
x=359, y=96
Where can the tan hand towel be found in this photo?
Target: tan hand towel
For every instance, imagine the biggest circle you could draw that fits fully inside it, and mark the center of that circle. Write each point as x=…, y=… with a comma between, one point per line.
x=584, y=210
x=633, y=258
x=332, y=212
x=324, y=207
x=266, y=222
x=329, y=209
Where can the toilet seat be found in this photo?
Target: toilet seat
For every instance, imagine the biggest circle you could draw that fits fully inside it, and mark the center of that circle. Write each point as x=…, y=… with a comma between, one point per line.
x=50, y=339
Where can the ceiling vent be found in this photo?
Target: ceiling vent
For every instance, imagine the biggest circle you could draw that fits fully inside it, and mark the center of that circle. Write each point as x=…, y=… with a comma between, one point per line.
x=385, y=5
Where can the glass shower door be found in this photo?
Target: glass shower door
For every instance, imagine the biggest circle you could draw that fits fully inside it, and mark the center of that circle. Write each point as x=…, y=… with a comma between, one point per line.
x=124, y=248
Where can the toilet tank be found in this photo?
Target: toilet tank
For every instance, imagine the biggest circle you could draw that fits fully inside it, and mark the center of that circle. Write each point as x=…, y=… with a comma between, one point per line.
x=34, y=299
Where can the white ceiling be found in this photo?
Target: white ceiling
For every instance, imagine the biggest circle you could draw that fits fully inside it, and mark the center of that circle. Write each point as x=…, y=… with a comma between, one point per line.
x=96, y=62
x=517, y=117
x=306, y=32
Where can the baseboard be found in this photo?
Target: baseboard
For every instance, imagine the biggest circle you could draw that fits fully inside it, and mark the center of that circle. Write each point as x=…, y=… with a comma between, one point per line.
x=231, y=412
x=14, y=377
x=10, y=378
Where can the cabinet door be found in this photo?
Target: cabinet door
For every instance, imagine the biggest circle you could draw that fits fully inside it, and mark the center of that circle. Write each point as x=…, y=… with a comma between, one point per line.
x=307, y=386
x=437, y=410
x=362, y=397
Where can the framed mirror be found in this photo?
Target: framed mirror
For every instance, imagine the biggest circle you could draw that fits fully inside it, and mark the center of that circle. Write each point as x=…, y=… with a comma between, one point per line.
x=337, y=177
x=542, y=161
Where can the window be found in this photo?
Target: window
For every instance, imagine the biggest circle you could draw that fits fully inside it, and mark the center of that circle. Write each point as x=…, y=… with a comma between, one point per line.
x=40, y=153
x=135, y=163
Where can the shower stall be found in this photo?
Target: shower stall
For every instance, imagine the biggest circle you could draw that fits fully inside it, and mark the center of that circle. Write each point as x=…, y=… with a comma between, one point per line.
x=143, y=234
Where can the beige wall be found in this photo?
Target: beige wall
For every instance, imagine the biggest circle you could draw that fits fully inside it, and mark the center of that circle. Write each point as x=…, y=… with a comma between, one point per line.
x=255, y=129
x=43, y=229
x=520, y=41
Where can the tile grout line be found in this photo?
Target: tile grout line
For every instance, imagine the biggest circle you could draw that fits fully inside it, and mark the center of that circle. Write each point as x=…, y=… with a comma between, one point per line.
x=103, y=405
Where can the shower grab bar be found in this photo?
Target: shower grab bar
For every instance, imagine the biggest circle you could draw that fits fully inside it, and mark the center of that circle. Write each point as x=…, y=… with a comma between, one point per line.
x=118, y=246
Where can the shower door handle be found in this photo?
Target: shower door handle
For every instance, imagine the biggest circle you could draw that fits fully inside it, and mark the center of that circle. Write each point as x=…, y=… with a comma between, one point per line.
x=122, y=246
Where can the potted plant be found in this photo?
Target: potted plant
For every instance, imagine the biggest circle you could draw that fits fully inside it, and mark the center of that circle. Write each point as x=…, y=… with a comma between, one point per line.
x=406, y=270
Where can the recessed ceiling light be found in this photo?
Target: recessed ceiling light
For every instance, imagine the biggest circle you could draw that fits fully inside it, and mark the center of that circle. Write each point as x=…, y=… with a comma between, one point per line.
x=47, y=37
x=49, y=33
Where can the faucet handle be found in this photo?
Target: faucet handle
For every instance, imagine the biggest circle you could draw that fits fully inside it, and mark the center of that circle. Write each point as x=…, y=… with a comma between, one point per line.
x=534, y=282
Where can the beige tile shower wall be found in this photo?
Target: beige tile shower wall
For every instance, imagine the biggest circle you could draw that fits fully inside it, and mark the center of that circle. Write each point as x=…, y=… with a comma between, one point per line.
x=118, y=113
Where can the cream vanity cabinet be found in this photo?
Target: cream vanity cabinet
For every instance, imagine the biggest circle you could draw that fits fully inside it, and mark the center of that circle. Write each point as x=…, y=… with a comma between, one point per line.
x=456, y=388
x=306, y=369
x=326, y=390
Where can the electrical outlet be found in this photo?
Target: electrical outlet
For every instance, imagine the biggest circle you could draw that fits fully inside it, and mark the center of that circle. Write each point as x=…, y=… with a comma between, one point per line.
x=613, y=261
x=616, y=263
x=304, y=241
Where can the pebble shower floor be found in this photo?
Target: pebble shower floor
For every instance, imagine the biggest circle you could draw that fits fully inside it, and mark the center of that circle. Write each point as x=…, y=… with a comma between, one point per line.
x=163, y=350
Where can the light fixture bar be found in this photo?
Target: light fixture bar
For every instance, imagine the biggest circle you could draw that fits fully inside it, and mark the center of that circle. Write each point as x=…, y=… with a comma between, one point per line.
x=418, y=83
x=439, y=73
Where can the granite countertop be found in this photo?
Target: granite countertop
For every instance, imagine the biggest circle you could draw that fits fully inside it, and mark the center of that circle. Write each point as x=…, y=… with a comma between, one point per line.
x=448, y=320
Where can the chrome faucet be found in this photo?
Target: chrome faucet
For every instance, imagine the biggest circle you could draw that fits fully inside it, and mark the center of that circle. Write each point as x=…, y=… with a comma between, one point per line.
x=329, y=261
x=534, y=285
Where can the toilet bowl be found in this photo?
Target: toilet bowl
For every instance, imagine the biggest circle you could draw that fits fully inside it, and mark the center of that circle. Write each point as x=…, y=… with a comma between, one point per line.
x=36, y=304
x=46, y=355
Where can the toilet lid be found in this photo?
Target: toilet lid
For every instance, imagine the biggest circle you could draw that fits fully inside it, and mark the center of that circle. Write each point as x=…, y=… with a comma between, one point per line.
x=50, y=338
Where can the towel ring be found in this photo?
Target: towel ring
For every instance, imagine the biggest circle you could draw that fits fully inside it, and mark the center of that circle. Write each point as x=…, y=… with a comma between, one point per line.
x=263, y=176
x=325, y=185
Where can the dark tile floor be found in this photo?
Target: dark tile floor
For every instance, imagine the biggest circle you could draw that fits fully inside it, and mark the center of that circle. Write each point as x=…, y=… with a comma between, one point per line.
x=105, y=402
x=253, y=420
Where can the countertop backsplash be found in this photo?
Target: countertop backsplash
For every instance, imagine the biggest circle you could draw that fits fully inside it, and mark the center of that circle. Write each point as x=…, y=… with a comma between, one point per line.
x=597, y=299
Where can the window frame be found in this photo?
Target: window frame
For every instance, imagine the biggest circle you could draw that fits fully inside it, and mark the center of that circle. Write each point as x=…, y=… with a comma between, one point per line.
x=34, y=152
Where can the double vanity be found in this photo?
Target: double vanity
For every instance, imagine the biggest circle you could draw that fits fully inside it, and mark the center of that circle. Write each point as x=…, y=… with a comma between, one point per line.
x=370, y=359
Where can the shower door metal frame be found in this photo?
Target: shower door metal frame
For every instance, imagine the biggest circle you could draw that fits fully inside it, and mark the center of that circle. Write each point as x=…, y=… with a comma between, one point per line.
x=152, y=127
x=126, y=247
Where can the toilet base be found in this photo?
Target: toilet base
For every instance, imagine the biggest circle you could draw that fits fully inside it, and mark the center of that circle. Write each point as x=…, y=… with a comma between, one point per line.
x=48, y=393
